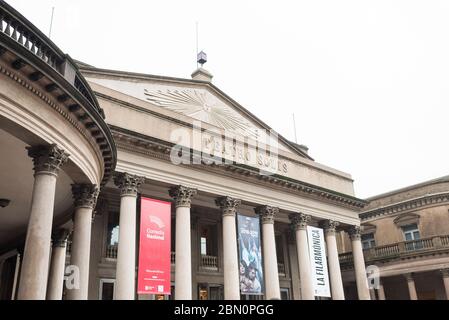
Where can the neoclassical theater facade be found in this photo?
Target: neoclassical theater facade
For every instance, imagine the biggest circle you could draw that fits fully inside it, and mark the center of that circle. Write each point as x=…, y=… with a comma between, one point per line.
x=79, y=146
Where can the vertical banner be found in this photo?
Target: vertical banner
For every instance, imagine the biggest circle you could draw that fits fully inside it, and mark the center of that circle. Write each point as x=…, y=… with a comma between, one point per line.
x=318, y=261
x=250, y=255
x=154, y=247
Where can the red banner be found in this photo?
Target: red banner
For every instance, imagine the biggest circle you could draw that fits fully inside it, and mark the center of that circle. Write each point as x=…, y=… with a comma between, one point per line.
x=154, y=250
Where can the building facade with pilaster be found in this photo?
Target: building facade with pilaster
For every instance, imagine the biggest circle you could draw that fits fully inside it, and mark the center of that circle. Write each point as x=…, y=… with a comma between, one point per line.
x=405, y=237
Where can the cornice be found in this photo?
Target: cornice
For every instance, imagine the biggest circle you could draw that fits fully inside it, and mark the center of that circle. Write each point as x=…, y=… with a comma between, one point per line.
x=161, y=150
x=412, y=204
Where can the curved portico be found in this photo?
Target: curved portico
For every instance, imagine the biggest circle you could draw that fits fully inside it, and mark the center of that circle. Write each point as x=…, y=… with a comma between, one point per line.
x=52, y=135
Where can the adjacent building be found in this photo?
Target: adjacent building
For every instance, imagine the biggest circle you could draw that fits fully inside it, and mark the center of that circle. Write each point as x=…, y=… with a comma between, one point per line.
x=406, y=236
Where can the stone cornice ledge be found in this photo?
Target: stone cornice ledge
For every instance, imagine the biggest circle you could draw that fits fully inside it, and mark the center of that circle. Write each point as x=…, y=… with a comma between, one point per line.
x=416, y=203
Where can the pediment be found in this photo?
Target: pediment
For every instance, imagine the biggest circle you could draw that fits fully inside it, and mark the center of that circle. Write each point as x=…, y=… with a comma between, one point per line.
x=198, y=101
x=406, y=219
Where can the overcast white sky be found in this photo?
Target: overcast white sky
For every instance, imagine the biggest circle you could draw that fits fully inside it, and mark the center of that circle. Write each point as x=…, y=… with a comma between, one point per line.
x=367, y=80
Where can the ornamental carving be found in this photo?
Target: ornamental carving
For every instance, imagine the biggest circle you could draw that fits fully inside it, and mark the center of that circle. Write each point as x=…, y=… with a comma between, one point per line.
x=330, y=226
x=300, y=220
x=182, y=195
x=128, y=183
x=48, y=159
x=267, y=213
x=85, y=195
x=202, y=106
x=228, y=205
x=355, y=232
x=59, y=237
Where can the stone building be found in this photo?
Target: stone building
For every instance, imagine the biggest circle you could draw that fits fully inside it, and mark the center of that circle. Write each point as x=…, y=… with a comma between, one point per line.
x=79, y=147
x=406, y=235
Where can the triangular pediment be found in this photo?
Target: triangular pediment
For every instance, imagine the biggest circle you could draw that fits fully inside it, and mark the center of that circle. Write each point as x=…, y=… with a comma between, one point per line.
x=197, y=100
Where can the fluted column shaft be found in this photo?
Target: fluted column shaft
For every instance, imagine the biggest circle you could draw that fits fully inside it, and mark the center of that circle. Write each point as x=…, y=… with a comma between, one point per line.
x=333, y=260
x=272, y=289
x=126, y=252
x=34, y=274
x=183, y=260
x=359, y=263
x=228, y=207
x=57, y=266
x=300, y=221
x=85, y=196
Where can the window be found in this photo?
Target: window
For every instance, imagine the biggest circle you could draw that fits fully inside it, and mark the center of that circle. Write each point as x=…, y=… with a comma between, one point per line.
x=210, y=291
x=107, y=289
x=208, y=240
x=203, y=245
x=285, y=294
x=112, y=235
x=411, y=233
x=368, y=241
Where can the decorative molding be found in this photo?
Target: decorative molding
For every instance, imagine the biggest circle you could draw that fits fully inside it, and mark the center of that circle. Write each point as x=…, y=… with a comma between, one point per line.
x=47, y=159
x=267, y=213
x=355, y=233
x=300, y=220
x=406, y=219
x=87, y=134
x=158, y=149
x=368, y=228
x=59, y=237
x=85, y=195
x=127, y=183
x=413, y=204
x=182, y=195
x=198, y=105
x=228, y=205
x=330, y=226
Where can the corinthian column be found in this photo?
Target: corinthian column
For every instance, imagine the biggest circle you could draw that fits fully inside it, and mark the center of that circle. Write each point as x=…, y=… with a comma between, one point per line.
x=333, y=260
x=300, y=221
x=85, y=196
x=34, y=274
x=57, y=266
x=183, y=259
x=228, y=207
x=272, y=289
x=359, y=263
x=126, y=251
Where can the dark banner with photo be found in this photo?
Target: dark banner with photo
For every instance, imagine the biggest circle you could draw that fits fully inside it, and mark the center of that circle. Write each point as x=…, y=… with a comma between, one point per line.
x=250, y=255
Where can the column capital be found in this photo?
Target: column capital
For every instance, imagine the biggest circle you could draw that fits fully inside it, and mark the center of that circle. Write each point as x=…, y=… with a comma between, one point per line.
x=355, y=232
x=329, y=226
x=59, y=237
x=228, y=205
x=85, y=195
x=408, y=276
x=445, y=273
x=182, y=195
x=128, y=183
x=300, y=220
x=47, y=159
x=267, y=213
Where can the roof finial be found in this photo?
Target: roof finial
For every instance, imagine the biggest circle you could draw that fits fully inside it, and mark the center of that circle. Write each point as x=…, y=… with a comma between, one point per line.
x=201, y=58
